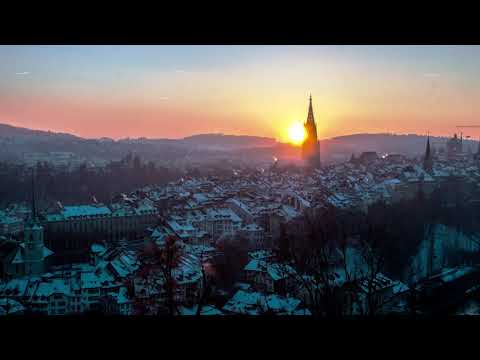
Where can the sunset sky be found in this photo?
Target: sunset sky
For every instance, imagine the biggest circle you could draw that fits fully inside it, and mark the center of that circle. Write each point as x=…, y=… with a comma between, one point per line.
x=176, y=91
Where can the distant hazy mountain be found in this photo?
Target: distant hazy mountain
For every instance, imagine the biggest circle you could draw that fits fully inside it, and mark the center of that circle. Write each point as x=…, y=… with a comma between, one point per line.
x=15, y=142
x=228, y=142
x=342, y=147
x=9, y=131
x=410, y=144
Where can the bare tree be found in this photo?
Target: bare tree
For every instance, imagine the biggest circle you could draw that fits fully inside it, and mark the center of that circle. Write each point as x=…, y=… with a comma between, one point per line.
x=158, y=271
x=374, y=262
x=311, y=253
x=413, y=281
x=206, y=284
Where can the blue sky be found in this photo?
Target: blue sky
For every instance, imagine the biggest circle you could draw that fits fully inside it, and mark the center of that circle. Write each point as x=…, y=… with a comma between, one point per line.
x=174, y=91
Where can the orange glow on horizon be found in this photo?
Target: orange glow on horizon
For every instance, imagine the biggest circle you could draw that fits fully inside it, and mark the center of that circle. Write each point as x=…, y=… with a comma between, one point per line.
x=186, y=90
x=167, y=119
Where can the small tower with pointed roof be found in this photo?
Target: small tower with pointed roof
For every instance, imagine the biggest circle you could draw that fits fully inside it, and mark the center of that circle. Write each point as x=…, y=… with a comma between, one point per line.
x=33, y=240
x=28, y=257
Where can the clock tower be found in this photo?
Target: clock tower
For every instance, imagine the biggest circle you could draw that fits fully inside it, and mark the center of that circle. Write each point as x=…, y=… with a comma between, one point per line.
x=33, y=241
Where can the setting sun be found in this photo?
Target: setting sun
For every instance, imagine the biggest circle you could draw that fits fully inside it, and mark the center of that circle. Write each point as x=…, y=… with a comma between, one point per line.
x=296, y=133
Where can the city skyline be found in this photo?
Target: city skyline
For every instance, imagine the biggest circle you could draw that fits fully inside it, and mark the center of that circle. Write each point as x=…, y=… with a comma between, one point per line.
x=177, y=91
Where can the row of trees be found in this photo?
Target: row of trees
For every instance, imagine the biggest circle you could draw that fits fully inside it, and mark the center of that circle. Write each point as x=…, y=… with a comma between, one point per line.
x=82, y=183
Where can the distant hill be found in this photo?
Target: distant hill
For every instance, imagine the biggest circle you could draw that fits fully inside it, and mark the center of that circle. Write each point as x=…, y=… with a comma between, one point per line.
x=15, y=142
x=226, y=142
x=410, y=144
x=9, y=131
x=342, y=147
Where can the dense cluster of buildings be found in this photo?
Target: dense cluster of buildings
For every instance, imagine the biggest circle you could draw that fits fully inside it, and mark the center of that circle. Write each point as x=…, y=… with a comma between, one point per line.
x=201, y=214
x=70, y=259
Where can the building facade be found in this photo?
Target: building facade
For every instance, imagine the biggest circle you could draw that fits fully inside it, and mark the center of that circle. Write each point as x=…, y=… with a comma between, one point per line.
x=71, y=230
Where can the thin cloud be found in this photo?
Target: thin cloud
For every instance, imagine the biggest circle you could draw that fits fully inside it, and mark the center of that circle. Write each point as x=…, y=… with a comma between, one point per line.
x=163, y=98
x=180, y=71
x=23, y=73
x=432, y=75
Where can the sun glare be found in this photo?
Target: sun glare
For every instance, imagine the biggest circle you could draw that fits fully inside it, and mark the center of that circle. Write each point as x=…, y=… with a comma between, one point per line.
x=296, y=133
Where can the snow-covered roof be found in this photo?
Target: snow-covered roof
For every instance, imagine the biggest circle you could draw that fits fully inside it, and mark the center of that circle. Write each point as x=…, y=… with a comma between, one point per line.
x=260, y=254
x=92, y=280
x=276, y=271
x=97, y=248
x=449, y=275
x=255, y=303
x=122, y=295
x=10, y=307
x=55, y=286
x=222, y=213
x=9, y=220
x=85, y=210
x=15, y=286
x=207, y=310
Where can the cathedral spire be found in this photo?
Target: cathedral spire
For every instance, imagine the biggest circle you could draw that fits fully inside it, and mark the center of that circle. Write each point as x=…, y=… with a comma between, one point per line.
x=428, y=161
x=427, y=151
x=310, y=117
x=311, y=146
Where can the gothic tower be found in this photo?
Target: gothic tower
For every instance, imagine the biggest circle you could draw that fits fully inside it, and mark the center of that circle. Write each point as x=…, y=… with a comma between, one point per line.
x=34, y=245
x=427, y=160
x=311, y=147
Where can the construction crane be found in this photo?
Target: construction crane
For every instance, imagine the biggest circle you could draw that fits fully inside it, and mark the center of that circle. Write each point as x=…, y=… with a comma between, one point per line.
x=467, y=126
x=468, y=137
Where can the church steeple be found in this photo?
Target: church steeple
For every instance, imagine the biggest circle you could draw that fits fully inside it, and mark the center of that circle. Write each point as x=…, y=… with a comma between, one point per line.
x=428, y=161
x=427, y=151
x=33, y=247
x=310, y=117
x=311, y=147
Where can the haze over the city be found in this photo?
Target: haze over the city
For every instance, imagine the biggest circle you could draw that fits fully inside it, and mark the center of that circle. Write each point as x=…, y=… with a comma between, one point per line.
x=177, y=91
